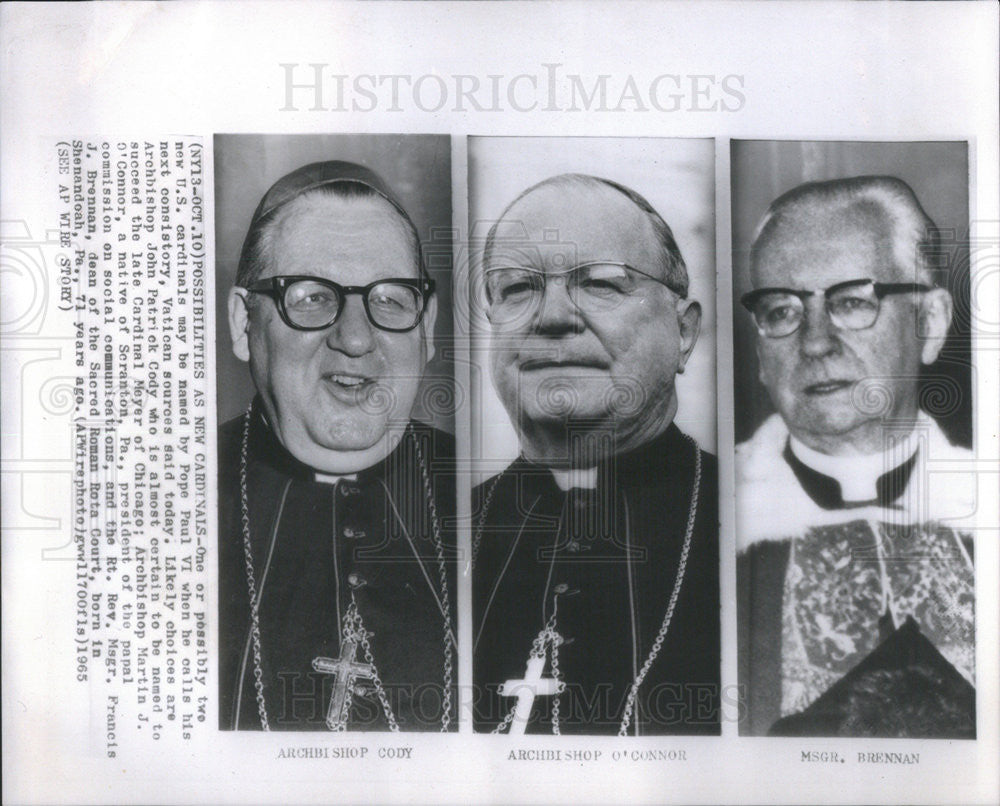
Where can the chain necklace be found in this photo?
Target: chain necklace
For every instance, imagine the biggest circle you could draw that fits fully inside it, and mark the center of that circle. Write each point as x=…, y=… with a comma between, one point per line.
x=354, y=632
x=347, y=670
x=548, y=636
x=482, y=521
x=678, y=580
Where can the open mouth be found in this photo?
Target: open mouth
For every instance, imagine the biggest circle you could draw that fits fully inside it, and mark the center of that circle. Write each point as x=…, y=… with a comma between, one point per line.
x=827, y=387
x=348, y=382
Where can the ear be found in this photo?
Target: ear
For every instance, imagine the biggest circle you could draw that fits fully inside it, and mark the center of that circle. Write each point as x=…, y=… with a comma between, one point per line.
x=689, y=324
x=934, y=319
x=239, y=322
x=427, y=325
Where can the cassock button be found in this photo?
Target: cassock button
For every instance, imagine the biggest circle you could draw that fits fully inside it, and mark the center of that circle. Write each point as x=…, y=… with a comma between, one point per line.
x=353, y=534
x=347, y=489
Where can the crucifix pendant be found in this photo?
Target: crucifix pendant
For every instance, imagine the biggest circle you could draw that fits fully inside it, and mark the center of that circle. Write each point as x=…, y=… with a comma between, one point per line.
x=531, y=686
x=347, y=670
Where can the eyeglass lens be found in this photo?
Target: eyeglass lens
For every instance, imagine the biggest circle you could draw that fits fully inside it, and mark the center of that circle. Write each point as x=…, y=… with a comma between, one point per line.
x=592, y=287
x=312, y=304
x=854, y=307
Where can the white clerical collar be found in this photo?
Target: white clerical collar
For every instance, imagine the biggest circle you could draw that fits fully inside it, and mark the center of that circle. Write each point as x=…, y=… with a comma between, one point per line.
x=575, y=477
x=326, y=478
x=857, y=475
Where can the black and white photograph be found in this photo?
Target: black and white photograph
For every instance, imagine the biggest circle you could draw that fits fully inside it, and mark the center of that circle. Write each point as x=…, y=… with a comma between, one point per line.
x=500, y=402
x=336, y=481
x=856, y=583
x=595, y=548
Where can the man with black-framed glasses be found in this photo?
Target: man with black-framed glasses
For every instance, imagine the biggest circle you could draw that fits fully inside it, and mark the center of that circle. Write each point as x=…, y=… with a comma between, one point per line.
x=856, y=596
x=595, y=553
x=336, y=507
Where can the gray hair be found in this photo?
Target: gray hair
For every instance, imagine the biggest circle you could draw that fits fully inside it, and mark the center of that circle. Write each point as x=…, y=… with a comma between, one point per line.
x=915, y=238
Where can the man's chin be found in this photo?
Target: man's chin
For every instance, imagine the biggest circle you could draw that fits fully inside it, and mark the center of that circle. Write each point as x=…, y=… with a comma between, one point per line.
x=357, y=434
x=560, y=398
x=562, y=409
x=832, y=426
x=333, y=431
x=351, y=421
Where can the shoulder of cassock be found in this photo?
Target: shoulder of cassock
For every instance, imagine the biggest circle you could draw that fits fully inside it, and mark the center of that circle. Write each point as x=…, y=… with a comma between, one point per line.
x=771, y=504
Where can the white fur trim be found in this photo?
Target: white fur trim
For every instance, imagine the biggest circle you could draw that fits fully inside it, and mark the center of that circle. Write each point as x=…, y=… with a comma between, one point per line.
x=771, y=504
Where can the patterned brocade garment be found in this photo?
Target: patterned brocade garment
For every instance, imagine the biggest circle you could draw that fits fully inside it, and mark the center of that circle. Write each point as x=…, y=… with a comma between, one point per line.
x=856, y=617
x=847, y=585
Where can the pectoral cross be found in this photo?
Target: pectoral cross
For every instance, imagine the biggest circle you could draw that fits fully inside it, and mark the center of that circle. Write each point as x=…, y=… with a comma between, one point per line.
x=531, y=686
x=347, y=670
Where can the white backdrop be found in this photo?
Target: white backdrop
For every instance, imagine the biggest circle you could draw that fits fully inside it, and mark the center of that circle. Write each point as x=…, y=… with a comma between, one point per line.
x=822, y=70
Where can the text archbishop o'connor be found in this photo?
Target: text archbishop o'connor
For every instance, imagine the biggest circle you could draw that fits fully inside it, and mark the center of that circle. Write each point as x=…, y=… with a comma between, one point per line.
x=316, y=87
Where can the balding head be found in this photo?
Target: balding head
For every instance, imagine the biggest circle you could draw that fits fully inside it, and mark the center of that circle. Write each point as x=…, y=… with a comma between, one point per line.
x=562, y=189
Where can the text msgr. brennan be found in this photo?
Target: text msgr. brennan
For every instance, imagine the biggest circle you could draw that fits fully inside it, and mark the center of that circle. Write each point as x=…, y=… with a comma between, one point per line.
x=888, y=758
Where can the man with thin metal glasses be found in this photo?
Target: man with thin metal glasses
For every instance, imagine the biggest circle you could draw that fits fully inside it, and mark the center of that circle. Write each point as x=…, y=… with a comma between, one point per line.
x=595, y=556
x=337, y=583
x=855, y=579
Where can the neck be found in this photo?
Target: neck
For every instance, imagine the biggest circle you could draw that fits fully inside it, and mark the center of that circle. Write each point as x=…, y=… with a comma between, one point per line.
x=585, y=478
x=346, y=462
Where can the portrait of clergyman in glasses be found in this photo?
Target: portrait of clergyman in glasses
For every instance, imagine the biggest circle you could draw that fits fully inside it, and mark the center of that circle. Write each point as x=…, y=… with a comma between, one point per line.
x=337, y=583
x=855, y=576
x=595, y=551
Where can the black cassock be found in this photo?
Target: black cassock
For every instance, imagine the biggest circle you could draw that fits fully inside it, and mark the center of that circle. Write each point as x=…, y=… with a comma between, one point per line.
x=315, y=544
x=610, y=556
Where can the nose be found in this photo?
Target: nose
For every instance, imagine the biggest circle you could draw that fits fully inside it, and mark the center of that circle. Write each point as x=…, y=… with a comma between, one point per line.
x=352, y=333
x=556, y=312
x=817, y=333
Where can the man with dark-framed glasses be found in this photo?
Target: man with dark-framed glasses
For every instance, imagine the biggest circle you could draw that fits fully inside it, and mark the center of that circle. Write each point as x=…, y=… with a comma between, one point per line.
x=595, y=556
x=855, y=579
x=337, y=584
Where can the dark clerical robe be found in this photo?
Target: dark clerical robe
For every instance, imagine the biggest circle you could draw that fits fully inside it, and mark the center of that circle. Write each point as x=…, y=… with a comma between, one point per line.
x=316, y=542
x=606, y=558
x=856, y=615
